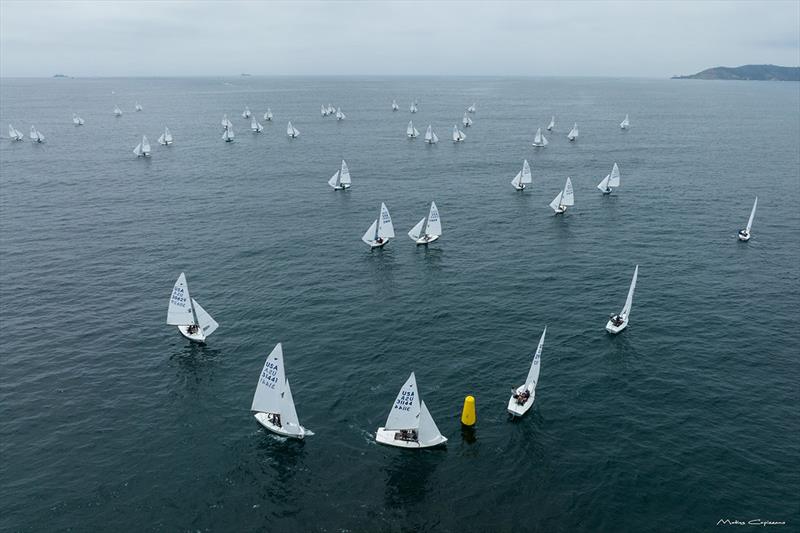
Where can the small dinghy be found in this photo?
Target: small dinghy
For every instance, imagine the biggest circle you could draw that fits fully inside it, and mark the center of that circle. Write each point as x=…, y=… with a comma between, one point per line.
x=268, y=115
x=228, y=134
x=564, y=199
x=471, y=109
x=117, y=111
x=611, y=180
x=573, y=133
x=78, y=121
x=14, y=134
x=138, y=107
x=625, y=124
x=552, y=124
x=523, y=177
x=411, y=131
x=432, y=225
x=166, y=138
x=341, y=180
x=522, y=397
x=619, y=321
x=339, y=114
x=291, y=131
x=36, y=135
x=430, y=136
x=255, y=127
x=246, y=112
x=458, y=135
x=409, y=425
x=395, y=107
x=273, y=402
x=744, y=234
x=143, y=148
x=323, y=110
x=331, y=109
x=413, y=107
x=540, y=140
x=466, y=121
x=193, y=321
x=381, y=229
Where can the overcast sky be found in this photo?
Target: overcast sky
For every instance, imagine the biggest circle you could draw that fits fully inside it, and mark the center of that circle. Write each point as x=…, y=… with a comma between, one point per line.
x=172, y=38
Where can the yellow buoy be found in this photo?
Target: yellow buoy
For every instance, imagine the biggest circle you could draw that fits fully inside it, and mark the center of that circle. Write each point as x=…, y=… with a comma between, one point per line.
x=468, y=416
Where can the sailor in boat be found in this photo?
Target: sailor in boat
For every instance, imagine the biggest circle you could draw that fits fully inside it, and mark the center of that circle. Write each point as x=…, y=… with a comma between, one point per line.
x=194, y=328
x=406, y=435
x=744, y=234
x=379, y=240
x=616, y=320
x=274, y=419
x=521, y=397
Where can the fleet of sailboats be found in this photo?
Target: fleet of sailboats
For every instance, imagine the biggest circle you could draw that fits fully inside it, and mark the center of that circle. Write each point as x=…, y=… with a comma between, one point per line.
x=428, y=229
x=573, y=133
x=192, y=321
x=166, y=138
x=411, y=131
x=36, y=135
x=611, y=180
x=340, y=181
x=381, y=230
x=78, y=121
x=625, y=124
x=523, y=177
x=523, y=396
x=744, y=234
x=14, y=134
x=273, y=403
x=143, y=148
x=565, y=198
x=430, y=136
x=539, y=140
x=619, y=321
x=291, y=131
x=458, y=135
x=410, y=424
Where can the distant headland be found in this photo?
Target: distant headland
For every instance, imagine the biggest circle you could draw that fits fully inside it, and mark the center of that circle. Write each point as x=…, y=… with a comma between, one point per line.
x=746, y=72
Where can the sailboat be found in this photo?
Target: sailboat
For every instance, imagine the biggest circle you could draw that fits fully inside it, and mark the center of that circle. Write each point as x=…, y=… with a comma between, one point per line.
x=432, y=225
x=620, y=321
x=225, y=122
x=14, y=134
x=430, y=136
x=268, y=115
x=246, y=112
x=744, y=234
x=458, y=135
x=523, y=396
x=340, y=181
x=552, y=124
x=611, y=180
x=78, y=121
x=381, y=229
x=36, y=135
x=117, y=111
x=193, y=321
x=255, y=127
x=625, y=124
x=413, y=107
x=143, y=148
x=291, y=131
x=471, y=109
x=466, y=121
x=228, y=134
x=138, y=107
x=539, y=140
x=523, y=177
x=331, y=109
x=395, y=107
x=573, y=133
x=166, y=137
x=409, y=424
x=339, y=114
x=411, y=131
x=323, y=110
x=564, y=199
x=273, y=402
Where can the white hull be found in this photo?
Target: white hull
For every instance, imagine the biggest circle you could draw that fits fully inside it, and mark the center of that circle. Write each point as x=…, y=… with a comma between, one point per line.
x=516, y=409
x=561, y=210
x=373, y=244
x=538, y=145
x=743, y=236
x=427, y=239
x=387, y=436
x=611, y=328
x=520, y=187
x=198, y=337
x=341, y=187
x=607, y=191
x=263, y=419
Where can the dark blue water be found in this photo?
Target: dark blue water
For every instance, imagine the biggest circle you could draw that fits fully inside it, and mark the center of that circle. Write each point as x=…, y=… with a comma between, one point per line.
x=110, y=421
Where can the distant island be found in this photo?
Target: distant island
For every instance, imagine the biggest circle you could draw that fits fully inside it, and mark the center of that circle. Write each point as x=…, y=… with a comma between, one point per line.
x=746, y=72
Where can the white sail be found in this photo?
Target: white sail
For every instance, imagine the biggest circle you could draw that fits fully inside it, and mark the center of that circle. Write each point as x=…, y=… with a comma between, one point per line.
x=246, y=112
x=614, y=177
x=331, y=110
x=556, y=203
x=416, y=232
x=138, y=106
x=228, y=135
x=752, y=214
x=471, y=108
x=626, y=310
x=416, y=132
x=413, y=107
x=341, y=116
x=625, y=122
x=533, y=373
x=537, y=139
x=267, y=398
x=435, y=139
x=603, y=185
x=268, y=114
x=430, y=136
x=406, y=409
x=395, y=107
x=291, y=131
x=466, y=121
x=138, y=150
x=517, y=181
x=323, y=111
x=573, y=133
x=206, y=322
x=253, y=124
x=434, y=225
x=334, y=181
x=411, y=131
x=76, y=119
x=162, y=139
x=569, y=196
x=526, y=172
x=167, y=135
x=552, y=124
x=12, y=132
x=289, y=421
x=180, y=311
x=344, y=175
x=428, y=431
x=458, y=135
x=369, y=235
x=225, y=121
x=118, y=111
x=34, y=135
x=385, y=226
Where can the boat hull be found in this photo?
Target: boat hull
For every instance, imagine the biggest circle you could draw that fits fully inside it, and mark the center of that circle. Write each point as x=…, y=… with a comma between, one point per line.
x=427, y=240
x=263, y=419
x=561, y=210
x=538, y=145
x=515, y=409
x=606, y=192
x=743, y=236
x=520, y=187
x=198, y=337
x=614, y=329
x=386, y=436
x=373, y=244
x=341, y=187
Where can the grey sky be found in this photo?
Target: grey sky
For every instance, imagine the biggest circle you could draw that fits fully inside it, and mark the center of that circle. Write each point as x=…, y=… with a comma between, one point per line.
x=175, y=38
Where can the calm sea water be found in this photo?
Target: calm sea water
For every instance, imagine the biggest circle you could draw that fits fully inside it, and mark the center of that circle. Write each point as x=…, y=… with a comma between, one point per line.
x=110, y=421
